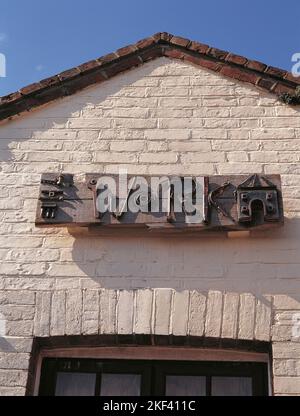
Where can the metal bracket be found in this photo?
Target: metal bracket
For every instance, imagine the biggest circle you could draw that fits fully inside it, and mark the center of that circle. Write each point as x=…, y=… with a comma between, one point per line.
x=61, y=180
x=50, y=197
x=123, y=204
x=256, y=194
x=53, y=195
x=92, y=186
x=48, y=210
x=213, y=195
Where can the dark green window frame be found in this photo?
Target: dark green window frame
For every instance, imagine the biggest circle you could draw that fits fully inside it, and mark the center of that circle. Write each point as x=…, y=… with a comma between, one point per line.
x=153, y=372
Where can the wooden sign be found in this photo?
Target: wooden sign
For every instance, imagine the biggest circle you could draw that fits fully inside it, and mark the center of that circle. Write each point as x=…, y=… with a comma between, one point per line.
x=227, y=203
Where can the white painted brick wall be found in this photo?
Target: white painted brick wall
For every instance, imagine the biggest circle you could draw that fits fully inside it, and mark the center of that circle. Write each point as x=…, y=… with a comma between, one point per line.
x=163, y=118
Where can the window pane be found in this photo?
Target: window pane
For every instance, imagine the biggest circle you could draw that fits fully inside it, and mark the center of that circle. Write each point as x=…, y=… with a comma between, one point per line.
x=231, y=386
x=185, y=386
x=75, y=384
x=120, y=384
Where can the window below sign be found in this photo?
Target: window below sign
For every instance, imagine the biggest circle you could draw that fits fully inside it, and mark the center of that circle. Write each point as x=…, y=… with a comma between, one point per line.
x=97, y=377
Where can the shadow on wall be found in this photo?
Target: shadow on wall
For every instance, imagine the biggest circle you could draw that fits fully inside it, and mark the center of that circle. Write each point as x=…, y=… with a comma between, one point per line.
x=263, y=264
x=59, y=121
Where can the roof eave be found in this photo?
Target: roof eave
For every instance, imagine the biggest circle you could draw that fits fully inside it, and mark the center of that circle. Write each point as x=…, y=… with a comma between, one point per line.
x=271, y=79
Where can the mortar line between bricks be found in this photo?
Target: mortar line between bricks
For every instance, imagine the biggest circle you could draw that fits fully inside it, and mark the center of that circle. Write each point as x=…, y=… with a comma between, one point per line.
x=153, y=311
x=188, y=313
x=255, y=315
x=222, y=312
x=172, y=310
x=205, y=313
x=134, y=311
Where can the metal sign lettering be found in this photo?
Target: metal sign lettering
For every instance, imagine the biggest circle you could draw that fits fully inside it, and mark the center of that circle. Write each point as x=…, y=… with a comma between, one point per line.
x=161, y=202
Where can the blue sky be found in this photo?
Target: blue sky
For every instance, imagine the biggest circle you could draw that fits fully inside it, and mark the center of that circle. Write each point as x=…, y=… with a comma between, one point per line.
x=40, y=38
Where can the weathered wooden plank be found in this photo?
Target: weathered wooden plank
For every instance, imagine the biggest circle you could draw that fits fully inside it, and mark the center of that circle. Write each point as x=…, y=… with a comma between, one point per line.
x=65, y=203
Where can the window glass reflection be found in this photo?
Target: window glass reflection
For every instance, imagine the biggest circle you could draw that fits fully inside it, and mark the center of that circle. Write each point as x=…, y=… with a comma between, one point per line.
x=120, y=384
x=75, y=384
x=231, y=386
x=185, y=386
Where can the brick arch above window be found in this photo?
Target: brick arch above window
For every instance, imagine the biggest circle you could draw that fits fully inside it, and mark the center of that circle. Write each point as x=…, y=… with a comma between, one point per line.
x=153, y=312
x=125, y=349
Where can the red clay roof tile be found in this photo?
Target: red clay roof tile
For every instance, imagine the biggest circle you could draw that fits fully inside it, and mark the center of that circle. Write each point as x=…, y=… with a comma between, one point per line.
x=274, y=80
